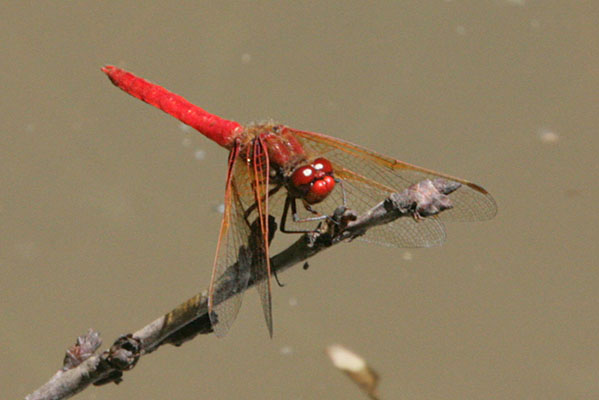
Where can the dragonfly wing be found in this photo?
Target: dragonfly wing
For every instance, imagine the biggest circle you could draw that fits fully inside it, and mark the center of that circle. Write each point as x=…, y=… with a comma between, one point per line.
x=369, y=177
x=231, y=270
x=250, y=228
x=258, y=171
x=362, y=195
x=403, y=232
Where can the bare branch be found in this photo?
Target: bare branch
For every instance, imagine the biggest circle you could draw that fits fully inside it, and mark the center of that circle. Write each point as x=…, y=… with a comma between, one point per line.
x=82, y=368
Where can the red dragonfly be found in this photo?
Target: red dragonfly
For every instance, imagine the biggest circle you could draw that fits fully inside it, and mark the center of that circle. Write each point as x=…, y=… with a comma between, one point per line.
x=271, y=168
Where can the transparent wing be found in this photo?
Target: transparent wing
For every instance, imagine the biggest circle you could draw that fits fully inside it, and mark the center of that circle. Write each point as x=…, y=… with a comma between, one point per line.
x=258, y=171
x=231, y=270
x=242, y=256
x=369, y=178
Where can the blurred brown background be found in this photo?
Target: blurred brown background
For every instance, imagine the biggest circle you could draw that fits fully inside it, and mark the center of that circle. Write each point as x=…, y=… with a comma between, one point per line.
x=108, y=208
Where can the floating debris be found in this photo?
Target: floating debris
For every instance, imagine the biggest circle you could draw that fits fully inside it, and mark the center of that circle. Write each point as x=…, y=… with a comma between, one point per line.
x=548, y=136
x=356, y=368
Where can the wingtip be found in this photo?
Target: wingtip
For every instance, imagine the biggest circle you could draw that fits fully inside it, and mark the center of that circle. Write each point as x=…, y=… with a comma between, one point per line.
x=270, y=330
x=478, y=188
x=492, y=209
x=268, y=318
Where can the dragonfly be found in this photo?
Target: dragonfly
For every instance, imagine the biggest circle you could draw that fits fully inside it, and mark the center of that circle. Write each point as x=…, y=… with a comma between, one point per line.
x=275, y=170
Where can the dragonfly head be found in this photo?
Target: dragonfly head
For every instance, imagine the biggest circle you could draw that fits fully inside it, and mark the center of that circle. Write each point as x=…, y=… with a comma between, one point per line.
x=313, y=182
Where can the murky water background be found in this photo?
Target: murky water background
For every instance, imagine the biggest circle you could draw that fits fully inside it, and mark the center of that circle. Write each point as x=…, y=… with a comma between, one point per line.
x=108, y=209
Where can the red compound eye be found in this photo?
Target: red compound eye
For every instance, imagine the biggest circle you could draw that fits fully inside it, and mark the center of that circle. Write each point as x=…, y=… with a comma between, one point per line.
x=322, y=164
x=320, y=189
x=302, y=176
x=313, y=182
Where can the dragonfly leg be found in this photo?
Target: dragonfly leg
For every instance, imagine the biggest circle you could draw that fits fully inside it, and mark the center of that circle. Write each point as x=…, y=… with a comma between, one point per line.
x=277, y=279
x=290, y=203
x=340, y=182
x=318, y=217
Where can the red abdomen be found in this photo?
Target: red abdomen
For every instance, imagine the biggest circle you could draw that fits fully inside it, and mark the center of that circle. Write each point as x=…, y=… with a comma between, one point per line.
x=220, y=130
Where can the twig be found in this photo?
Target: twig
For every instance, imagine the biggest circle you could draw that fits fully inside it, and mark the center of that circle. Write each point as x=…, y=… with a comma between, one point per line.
x=81, y=367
